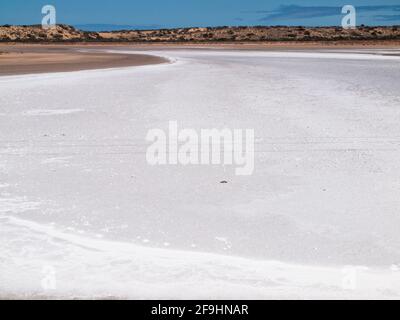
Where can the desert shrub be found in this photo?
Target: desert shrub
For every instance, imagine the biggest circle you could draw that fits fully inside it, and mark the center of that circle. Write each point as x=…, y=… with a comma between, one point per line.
x=31, y=37
x=5, y=39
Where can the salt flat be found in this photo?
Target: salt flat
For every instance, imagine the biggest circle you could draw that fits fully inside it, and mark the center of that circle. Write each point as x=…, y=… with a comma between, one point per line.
x=78, y=197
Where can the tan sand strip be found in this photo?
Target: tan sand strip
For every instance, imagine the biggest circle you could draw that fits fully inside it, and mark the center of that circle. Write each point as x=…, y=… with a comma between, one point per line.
x=29, y=60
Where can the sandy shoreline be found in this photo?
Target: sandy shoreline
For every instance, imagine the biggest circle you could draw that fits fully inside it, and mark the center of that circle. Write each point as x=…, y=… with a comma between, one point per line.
x=223, y=44
x=17, y=59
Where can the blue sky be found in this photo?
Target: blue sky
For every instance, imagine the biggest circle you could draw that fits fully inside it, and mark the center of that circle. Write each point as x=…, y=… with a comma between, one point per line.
x=186, y=13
